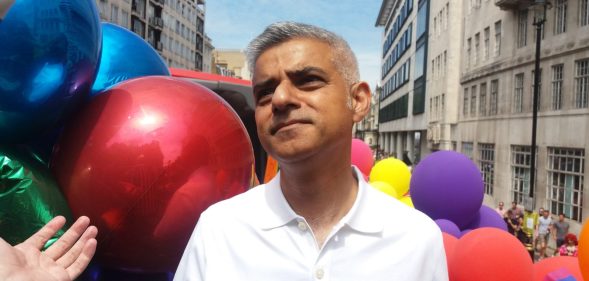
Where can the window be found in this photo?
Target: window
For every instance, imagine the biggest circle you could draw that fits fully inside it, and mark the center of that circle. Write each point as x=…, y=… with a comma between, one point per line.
x=583, y=12
x=473, y=101
x=436, y=107
x=422, y=19
x=560, y=16
x=520, y=172
x=565, y=181
x=498, y=38
x=468, y=44
x=539, y=88
x=483, y=100
x=442, y=102
x=419, y=61
x=522, y=28
x=467, y=149
x=448, y=15
x=465, y=103
x=487, y=165
x=477, y=38
x=518, y=93
x=557, y=86
x=486, y=35
x=493, y=98
x=581, y=83
x=124, y=19
x=114, y=14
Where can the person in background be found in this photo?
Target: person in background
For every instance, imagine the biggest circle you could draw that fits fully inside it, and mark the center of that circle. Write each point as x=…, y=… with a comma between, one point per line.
x=64, y=260
x=516, y=211
x=569, y=247
x=560, y=230
x=500, y=210
x=544, y=230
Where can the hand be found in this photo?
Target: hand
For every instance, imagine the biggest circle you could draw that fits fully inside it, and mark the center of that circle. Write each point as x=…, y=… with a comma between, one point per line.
x=63, y=261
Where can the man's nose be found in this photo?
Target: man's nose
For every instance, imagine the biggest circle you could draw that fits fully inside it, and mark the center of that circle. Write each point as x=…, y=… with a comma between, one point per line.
x=285, y=96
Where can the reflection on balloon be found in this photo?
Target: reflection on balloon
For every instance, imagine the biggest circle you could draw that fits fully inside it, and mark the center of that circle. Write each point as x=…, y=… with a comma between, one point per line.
x=144, y=160
x=29, y=196
x=125, y=55
x=49, y=57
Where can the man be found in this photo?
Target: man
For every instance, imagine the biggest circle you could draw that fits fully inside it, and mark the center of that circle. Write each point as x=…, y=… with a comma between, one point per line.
x=64, y=260
x=500, y=209
x=516, y=212
x=561, y=229
x=544, y=229
x=317, y=219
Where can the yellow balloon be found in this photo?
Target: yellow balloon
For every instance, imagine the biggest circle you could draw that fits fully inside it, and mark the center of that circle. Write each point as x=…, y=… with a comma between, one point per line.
x=394, y=172
x=407, y=201
x=583, y=251
x=385, y=187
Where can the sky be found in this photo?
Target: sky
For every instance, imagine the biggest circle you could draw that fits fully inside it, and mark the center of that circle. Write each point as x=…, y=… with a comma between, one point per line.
x=231, y=24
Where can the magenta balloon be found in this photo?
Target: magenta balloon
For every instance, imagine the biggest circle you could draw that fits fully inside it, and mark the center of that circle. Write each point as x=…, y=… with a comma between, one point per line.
x=487, y=217
x=447, y=185
x=448, y=227
x=362, y=156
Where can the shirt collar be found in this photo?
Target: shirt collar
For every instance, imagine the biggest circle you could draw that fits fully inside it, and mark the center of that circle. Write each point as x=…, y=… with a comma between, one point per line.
x=362, y=217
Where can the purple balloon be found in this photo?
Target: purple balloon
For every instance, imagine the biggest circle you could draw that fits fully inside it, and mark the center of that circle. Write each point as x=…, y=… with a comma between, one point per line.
x=487, y=217
x=448, y=227
x=447, y=185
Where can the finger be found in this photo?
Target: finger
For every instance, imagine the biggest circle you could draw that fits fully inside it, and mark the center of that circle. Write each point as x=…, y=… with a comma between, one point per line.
x=68, y=239
x=41, y=237
x=83, y=259
x=70, y=256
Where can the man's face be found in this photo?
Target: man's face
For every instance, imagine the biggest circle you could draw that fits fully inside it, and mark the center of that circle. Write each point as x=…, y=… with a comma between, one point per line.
x=545, y=213
x=301, y=100
x=500, y=205
x=561, y=218
x=513, y=206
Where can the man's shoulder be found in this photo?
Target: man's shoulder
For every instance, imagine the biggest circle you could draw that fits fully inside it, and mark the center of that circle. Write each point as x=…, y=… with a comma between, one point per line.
x=242, y=204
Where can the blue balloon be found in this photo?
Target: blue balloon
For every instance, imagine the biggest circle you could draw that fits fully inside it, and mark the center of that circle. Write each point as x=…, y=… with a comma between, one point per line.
x=49, y=53
x=125, y=55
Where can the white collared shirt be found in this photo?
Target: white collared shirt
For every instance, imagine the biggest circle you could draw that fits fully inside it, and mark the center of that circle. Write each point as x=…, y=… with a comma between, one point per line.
x=257, y=236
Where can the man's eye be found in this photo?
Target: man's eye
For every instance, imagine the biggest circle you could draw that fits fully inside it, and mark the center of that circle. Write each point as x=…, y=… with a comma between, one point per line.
x=263, y=96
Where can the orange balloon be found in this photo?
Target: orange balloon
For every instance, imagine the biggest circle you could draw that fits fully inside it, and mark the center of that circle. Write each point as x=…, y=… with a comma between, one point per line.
x=490, y=254
x=546, y=266
x=583, y=252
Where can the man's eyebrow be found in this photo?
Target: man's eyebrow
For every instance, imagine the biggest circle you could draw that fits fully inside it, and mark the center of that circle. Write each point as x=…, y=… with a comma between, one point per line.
x=305, y=70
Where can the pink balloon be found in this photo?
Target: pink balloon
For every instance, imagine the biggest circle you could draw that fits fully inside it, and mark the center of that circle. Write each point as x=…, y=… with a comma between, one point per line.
x=362, y=156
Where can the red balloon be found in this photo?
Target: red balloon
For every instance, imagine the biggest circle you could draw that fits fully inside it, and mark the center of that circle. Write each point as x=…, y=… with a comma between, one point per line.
x=144, y=160
x=362, y=156
x=546, y=266
x=449, y=245
x=489, y=254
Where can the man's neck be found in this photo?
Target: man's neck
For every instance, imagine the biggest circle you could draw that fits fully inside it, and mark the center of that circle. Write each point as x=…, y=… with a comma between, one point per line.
x=323, y=194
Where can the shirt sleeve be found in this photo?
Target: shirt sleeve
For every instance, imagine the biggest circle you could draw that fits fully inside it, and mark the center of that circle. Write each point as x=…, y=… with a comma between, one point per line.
x=192, y=266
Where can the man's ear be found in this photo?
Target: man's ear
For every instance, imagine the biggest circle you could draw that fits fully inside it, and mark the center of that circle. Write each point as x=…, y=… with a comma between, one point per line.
x=360, y=96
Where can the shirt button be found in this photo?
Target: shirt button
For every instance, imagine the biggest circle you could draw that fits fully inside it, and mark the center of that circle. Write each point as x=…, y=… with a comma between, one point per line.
x=319, y=273
x=302, y=226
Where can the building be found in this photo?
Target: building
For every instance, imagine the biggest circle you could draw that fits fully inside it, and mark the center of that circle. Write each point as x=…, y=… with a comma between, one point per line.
x=175, y=28
x=495, y=110
x=367, y=129
x=207, y=57
x=231, y=62
x=479, y=93
x=402, y=118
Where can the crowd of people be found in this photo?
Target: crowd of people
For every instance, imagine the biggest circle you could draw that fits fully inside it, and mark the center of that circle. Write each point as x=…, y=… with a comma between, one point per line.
x=538, y=229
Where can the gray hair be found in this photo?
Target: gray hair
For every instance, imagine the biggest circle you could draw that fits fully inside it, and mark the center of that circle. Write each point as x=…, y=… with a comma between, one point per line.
x=343, y=57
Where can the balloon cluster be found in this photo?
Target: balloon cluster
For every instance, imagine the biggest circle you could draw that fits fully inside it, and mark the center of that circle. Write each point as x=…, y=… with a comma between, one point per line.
x=90, y=124
x=448, y=187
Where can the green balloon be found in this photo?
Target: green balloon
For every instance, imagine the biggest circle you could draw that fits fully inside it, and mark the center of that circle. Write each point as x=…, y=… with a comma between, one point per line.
x=29, y=196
